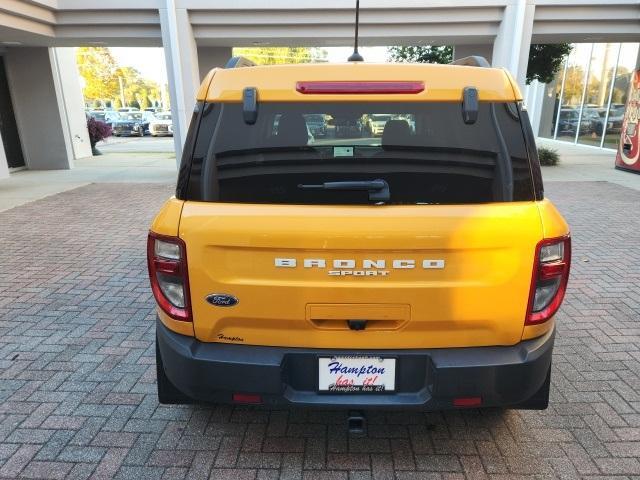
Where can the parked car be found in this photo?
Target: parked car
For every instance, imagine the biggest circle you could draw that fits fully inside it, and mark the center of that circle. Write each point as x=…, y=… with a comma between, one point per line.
x=128, y=109
x=568, y=122
x=317, y=125
x=376, y=123
x=106, y=116
x=131, y=123
x=423, y=271
x=593, y=120
x=161, y=125
x=616, y=117
x=348, y=126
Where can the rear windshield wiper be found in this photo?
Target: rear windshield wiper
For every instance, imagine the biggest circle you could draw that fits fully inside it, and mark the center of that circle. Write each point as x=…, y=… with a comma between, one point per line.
x=378, y=189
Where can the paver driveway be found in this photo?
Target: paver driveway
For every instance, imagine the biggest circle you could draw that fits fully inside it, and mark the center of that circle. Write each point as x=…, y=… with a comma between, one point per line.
x=77, y=393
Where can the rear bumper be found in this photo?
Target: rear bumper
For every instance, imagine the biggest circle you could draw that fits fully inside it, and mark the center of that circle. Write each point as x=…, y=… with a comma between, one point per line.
x=426, y=378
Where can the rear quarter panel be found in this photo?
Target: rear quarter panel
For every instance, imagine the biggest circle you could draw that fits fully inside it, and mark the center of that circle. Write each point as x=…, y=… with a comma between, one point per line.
x=553, y=225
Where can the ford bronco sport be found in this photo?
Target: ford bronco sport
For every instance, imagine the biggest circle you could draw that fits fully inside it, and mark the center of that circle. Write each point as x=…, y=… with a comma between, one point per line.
x=420, y=266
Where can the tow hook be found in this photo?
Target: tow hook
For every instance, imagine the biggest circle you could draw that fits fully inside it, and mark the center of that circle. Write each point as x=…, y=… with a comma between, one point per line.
x=357, y=423
x=357, y=324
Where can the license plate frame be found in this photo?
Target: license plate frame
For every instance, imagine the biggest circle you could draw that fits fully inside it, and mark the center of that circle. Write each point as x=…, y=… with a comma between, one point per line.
x=357, y=360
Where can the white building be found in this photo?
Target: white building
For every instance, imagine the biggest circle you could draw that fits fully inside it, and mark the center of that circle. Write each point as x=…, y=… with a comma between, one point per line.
x=42, y=122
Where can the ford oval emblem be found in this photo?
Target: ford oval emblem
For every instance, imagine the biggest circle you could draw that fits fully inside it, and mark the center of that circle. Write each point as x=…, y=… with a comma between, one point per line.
x=222, y=300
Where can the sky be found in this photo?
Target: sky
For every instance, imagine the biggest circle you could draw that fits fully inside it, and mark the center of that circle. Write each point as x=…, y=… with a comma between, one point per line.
x=150, y=61
x=370, y=54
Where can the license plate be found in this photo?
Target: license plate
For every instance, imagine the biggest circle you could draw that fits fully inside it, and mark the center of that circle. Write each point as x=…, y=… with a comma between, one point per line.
x=355, y=374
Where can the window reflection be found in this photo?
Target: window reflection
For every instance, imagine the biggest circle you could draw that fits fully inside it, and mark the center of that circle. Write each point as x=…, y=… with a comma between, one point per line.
x=585, y=103
x=594, y=108
x=569, y=117
x=551, y=104
x=626, y=65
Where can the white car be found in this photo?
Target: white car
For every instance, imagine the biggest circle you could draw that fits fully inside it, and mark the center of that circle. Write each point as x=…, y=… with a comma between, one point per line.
x=162, y=125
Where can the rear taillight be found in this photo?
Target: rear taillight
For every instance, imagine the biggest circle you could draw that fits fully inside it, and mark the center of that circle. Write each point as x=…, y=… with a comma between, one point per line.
x=549, y=279
x=167, y=260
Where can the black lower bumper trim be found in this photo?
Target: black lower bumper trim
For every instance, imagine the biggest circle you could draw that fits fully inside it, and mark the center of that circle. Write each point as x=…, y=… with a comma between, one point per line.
x=426, y=378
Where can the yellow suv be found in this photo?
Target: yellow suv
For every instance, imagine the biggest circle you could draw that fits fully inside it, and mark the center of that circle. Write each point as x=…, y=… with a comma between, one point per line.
x=404, y=257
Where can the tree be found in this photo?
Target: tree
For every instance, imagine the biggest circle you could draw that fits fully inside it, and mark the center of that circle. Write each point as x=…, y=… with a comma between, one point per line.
x=621, y=84
x=421, y=54
x=136, y=89
x=281, y=55
x=97, y=66
x=545, y=61
x=102, y=77
x=573, y=84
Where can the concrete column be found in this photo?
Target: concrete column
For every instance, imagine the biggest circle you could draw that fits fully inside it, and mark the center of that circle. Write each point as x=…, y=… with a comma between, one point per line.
x=4, y=166
x=181, y=55
x=34, y=80
x=484, y=50
x=71, y=101
x=210, y=57
x=512, y=43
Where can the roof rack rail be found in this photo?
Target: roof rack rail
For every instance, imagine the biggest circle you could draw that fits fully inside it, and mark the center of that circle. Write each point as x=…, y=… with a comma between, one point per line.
x=237, y=62
x=472, y=61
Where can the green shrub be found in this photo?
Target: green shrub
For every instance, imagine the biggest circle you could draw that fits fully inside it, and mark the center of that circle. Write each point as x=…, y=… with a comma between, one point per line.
x=548, y=157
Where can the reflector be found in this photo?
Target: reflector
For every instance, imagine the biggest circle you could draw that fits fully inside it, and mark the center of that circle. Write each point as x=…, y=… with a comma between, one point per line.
x=246, y=398
x=467, y=401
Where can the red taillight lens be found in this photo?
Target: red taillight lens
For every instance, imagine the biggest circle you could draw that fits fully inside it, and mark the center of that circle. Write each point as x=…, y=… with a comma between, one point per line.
x=384, y=87
x=467, y=401
x=246, y=398
x=549, y=279
x=167, y=261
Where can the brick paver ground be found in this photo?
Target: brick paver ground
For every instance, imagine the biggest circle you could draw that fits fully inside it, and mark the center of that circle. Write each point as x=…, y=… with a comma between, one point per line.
x=77, y=373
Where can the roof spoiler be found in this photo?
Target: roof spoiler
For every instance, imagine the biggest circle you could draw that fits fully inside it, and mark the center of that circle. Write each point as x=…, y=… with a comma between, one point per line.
x=237, y=62
x=472, y=61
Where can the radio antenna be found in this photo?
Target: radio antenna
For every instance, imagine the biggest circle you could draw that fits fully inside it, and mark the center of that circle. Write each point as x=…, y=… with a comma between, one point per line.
x=355, y=56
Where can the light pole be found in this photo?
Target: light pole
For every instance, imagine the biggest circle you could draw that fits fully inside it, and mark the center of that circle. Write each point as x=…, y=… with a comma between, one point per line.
x=121, y=91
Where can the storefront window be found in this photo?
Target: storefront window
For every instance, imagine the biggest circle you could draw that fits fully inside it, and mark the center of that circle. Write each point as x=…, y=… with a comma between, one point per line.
x=585, y=103
x=604, y=57
x=626, y=66
x=577, y=65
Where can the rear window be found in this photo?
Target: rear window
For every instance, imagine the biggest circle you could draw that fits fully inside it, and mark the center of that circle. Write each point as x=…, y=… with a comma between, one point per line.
x=423, y=151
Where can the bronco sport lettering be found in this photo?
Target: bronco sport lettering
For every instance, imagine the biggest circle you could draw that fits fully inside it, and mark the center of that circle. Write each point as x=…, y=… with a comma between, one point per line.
x=293, y=176
x=371, y=268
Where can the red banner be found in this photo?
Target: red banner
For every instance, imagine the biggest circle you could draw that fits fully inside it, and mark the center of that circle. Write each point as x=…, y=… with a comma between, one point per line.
x=628, y=157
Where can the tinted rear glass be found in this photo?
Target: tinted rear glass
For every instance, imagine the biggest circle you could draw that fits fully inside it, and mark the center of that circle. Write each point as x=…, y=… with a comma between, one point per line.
x=424, y=151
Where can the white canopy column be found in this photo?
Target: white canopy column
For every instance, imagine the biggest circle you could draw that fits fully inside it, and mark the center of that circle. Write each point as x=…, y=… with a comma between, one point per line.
x=181, y=56
x=512, y=43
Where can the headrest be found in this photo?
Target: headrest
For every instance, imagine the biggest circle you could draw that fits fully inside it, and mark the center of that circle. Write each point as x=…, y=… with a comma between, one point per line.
x=396, y=132
x=292, y=131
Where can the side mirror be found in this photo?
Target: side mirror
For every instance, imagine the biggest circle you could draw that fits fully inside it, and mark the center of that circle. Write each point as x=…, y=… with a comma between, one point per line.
x=470, y=105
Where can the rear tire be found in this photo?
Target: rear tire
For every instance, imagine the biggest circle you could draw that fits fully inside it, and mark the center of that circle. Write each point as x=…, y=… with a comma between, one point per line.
x=168, y=393
x=540, y=399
